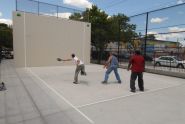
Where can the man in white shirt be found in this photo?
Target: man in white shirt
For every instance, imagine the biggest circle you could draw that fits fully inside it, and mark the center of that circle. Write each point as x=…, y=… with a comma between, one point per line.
x=79, y=67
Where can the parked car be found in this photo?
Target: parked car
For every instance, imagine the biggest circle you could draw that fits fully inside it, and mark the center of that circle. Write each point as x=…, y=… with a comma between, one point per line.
x=7, y=54
x=171, y=61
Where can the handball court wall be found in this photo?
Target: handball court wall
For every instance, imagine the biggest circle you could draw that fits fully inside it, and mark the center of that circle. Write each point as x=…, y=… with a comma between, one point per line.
x=39, y=40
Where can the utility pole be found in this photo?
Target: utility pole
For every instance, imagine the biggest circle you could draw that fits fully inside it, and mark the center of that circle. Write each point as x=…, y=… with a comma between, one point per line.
x=146, y=32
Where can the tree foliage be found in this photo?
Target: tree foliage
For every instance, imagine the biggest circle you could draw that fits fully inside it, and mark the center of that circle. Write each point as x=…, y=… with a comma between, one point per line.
x=99, y=25
x=104, y=28
x=120, y=27
x=6, y=36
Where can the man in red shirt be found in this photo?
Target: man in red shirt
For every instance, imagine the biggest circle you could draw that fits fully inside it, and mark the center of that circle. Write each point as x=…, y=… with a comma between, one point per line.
x=137, y=65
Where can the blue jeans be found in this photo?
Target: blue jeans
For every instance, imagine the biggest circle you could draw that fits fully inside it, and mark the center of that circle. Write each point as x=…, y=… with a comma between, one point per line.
x=109, y=70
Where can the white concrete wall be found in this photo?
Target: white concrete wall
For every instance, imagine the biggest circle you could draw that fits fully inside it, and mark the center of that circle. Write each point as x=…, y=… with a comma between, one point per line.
x=39, y=40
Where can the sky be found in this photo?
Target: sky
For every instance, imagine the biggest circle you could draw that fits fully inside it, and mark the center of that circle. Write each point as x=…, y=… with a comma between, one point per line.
x=128, y=7
x=159, y=19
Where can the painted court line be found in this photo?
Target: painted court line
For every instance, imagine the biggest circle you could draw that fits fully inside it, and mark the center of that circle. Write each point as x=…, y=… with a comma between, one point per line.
x=125, y=96
x=59, y=95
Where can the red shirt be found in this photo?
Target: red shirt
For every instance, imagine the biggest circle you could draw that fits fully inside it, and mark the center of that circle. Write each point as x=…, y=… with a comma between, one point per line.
x=138, y=63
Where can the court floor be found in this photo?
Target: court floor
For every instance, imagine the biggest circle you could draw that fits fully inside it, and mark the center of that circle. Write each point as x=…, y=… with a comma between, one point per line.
x=46, y=95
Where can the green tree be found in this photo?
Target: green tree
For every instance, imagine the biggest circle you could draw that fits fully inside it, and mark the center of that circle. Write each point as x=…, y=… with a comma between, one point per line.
x=6, y=36
x=76, y=16
x=121, y=29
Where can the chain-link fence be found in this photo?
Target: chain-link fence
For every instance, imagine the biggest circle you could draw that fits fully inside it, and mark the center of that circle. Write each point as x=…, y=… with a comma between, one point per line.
x=41, y=8
x=159, y=33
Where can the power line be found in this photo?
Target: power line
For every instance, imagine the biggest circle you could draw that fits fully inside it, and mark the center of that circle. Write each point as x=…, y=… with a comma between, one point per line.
x=110, y=2
x=159, y=6
x=106, y=1
x=115, y=3
x=162, y=27
x=174, y=32
x=121, y=1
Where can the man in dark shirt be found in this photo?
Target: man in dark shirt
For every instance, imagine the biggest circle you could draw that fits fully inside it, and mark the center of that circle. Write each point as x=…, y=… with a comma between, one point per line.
x=136, y=64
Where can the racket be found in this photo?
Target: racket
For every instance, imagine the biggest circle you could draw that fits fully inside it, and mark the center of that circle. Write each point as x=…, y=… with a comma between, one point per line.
x=59, y=59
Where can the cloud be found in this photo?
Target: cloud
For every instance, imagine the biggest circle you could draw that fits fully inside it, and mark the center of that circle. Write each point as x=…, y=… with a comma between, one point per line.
x=64, y=15
x=180, y=1
x=159, y=36
x=152, y=32
x=6, y=21
x=1, y=14
x=158, y=20
x=109, y=16
x=171, y=36
x=175, y=29
x=79, y=3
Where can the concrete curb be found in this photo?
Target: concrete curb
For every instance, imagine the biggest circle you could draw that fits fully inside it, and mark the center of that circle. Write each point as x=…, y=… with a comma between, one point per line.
x=167, y=73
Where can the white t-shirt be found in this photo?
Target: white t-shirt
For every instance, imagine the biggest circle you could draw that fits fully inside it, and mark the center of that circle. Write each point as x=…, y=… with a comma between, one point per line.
x=75, y=59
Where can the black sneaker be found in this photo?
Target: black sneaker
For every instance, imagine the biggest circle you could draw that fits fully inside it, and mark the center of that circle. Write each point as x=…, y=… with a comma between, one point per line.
x=104, y=82
x=133, y=91
x=142, y=90
x=83, y=73
x=75, y=82
x=119, y=82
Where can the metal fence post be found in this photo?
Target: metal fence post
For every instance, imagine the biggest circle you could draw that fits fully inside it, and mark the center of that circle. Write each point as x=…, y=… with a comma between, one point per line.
x=38, y=7
x=0, y=53
x=16, y=5
x=146, y=32
x=170, y=64
x=57, y=11
x=154, y=56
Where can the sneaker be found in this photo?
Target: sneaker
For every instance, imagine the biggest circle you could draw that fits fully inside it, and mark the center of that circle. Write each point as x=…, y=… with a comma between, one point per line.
x=142, y=90
x=104, y=82
x=119, y=82
x=83, y=73
x=133, y=91
x=75, y=82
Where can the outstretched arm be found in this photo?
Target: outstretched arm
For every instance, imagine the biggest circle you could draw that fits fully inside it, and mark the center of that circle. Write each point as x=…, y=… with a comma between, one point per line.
x=107, y=62
x=67, y=59
x=78, y=62
x=59, y=59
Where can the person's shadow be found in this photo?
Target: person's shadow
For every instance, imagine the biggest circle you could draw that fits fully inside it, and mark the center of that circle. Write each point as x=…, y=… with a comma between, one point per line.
x=84, y=82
